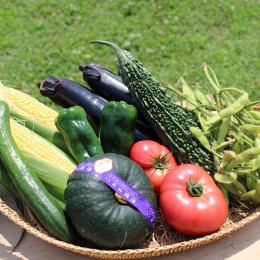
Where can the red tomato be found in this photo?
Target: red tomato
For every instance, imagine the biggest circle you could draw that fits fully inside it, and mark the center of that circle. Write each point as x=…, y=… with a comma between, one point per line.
x=155, y=159
x=192, y=214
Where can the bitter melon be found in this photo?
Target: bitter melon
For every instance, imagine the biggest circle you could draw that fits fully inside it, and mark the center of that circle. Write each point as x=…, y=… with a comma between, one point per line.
x=171, y=122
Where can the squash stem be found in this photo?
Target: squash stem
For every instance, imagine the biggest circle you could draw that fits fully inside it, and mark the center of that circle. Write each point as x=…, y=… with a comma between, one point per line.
x=120, y=199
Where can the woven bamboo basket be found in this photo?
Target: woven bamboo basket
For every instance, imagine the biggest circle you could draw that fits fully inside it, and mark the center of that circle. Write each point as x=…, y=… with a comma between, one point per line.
x=164, y=240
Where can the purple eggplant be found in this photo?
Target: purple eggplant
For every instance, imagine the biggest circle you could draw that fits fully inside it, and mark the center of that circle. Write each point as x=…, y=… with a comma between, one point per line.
x=106, y=83
x=67, y=93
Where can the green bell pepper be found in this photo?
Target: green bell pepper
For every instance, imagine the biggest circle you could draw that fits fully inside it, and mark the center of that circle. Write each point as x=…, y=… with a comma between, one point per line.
x=117, y=127
x=78, y=134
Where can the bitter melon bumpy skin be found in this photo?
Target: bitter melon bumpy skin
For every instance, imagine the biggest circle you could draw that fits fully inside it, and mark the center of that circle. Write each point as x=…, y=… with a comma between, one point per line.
x=171, y=122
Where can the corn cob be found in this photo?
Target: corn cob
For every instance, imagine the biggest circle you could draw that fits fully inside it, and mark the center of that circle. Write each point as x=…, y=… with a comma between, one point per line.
x=28, y=107
x=31, y=143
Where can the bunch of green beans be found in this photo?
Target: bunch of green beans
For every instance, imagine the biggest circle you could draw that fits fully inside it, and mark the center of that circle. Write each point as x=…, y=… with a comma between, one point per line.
x=230, y=129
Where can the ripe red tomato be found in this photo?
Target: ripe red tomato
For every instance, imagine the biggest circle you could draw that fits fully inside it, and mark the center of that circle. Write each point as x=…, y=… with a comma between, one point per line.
x=191, y=202
x=155, y=159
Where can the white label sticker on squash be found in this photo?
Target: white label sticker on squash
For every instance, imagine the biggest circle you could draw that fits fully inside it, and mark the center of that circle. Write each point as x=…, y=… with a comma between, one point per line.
x=103, y=165
x=103, y=170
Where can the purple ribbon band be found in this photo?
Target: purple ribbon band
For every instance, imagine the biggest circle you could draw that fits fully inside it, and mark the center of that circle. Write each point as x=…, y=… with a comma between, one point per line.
x=104, y=172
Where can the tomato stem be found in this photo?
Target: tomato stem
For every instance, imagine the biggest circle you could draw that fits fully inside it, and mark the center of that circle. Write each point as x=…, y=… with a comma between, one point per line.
x=162, y=162
x=195, y=189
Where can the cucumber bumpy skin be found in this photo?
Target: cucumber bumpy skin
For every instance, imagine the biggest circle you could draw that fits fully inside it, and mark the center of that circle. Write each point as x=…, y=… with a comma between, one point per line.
x=170, y=121
x=30, y=188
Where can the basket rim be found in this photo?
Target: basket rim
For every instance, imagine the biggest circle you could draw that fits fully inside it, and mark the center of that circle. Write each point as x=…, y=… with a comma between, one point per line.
x=126, y=253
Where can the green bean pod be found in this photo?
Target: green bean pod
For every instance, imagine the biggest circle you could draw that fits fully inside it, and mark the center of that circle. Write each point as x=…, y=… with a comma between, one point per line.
x=248, y=196
x=202, y=122
x=256, y=164
x=234, y=108
x=250, y=129
x=243, y=157
x=224, y=144
x=232, y=189
x=250, y=120
x=236, y=147
x=224, y=192
x=229, y=155
x=197, y=133
x=247, y=139
x=242, y=146
x=227, y=178
x=223, y=130
x=251, y=181
x=257, y=141
x=188, y=92
x=239, y=187
x=256, y=197
x=255, y=114
x=213, y=121
x=201, y=98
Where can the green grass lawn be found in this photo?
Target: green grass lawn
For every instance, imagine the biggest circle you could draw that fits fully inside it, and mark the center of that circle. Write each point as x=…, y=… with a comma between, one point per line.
x=172, y=39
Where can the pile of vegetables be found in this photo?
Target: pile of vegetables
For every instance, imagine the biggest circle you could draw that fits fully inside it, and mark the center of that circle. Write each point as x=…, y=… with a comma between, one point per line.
x=124, y=147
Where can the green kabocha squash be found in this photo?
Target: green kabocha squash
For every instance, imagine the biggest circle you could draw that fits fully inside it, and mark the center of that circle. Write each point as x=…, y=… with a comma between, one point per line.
x=100, y=215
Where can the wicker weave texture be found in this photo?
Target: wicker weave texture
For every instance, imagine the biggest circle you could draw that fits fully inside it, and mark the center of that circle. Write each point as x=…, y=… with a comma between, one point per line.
x=164, y=241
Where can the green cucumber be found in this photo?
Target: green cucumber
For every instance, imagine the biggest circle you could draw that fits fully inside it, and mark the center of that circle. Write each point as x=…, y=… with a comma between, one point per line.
x=5, y=181
x=28, y=185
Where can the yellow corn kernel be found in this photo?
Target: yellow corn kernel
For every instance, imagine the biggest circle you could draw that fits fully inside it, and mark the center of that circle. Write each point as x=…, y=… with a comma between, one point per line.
x=31, y=143
x=28, y=106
